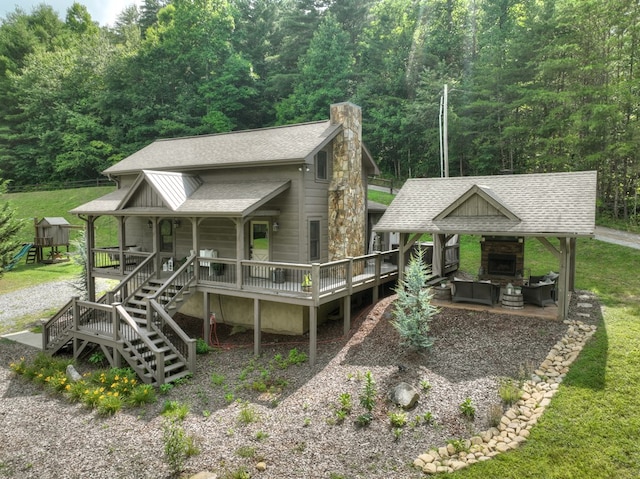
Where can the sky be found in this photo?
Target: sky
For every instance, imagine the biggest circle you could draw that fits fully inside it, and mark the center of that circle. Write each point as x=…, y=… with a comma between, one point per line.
x=104, y=12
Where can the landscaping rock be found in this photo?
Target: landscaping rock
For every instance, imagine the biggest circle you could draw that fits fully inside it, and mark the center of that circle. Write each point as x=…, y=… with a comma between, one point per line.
x=73, y=375
x=404, y=395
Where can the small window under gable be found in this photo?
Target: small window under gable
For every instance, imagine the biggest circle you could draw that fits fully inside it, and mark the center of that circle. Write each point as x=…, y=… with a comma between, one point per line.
x=322, y=165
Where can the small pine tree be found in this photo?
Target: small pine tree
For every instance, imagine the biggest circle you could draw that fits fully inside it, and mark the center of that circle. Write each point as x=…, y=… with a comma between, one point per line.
x=81, y=257
x=9, y=227
x=413, y=309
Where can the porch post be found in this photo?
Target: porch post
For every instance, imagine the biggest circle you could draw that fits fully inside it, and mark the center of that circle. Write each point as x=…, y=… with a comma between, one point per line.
x=122, y=242
x=401, y=251
x=90, y=245
x=257, y=328
x=240, y=222
x=572, y=264
x=563, y=279
x=195, y=241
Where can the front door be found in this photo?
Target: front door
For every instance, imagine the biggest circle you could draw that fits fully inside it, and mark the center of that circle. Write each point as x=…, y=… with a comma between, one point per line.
x=166, y=237
x=260, y=247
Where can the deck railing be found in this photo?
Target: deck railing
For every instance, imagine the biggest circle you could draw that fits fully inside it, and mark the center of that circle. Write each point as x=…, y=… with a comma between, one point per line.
x=307, y=280
x=117, y=262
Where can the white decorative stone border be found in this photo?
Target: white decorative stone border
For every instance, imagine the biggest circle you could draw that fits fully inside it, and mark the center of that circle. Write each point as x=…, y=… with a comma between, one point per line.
x=518, y=420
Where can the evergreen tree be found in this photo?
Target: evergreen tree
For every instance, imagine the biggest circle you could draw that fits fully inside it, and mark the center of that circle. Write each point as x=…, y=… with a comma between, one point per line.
x=413, y=310
x=325, y=71
x=9, y=227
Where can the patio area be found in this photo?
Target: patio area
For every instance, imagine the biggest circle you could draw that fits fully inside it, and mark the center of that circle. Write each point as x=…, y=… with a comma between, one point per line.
x=529, y=310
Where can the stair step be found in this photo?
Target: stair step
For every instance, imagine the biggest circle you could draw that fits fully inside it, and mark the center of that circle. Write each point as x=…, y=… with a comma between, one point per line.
x=173, y=367
x=175, y=377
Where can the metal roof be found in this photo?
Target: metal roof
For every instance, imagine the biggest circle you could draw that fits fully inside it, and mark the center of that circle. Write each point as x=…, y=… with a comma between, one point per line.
x=545, y=204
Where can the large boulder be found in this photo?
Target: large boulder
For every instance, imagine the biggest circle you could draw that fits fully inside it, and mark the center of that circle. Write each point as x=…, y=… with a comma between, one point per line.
x=404, y=395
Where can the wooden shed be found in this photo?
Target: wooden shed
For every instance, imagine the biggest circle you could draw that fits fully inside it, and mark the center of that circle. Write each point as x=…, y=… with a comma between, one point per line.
x=51, y=232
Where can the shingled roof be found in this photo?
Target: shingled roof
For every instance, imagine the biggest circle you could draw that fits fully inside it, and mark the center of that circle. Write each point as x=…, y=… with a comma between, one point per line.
x=543, y=204
x=277, y=145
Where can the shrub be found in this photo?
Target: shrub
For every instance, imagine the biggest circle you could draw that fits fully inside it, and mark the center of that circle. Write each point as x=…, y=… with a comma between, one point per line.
x=109, y=404
x=177, y=445
x=413, y=310
x=175, y=409
x=398, y=419
x=368, y=396
x=217, y=379
x=201, y=346
x=509, y=391
x=142, y=394
x=467, y=408
x=247, y=414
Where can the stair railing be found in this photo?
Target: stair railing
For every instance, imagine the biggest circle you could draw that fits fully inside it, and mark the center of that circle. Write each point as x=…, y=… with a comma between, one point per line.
x=177, y=284
x=175, y=337
x=56, y=328
x=134, y=281
x=128, y=331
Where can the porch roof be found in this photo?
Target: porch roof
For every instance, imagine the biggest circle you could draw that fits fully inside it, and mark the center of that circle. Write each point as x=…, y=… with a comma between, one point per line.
x=232, y=199
x=542, y=204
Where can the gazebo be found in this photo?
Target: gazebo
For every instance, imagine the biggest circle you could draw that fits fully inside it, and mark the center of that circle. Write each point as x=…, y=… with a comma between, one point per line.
x=503, y=211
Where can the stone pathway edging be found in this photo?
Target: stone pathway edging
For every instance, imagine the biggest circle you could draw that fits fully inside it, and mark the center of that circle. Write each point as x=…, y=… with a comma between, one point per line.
x=518, y=420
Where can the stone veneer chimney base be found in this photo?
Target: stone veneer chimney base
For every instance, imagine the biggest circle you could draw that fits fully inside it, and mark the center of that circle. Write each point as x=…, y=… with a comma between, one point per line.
x=347, y=197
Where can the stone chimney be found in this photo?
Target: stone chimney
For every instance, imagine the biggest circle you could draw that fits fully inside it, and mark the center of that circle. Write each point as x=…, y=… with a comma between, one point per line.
x=347, y=197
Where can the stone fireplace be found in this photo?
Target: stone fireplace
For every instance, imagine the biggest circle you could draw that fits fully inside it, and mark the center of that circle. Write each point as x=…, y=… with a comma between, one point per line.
x=502, y=258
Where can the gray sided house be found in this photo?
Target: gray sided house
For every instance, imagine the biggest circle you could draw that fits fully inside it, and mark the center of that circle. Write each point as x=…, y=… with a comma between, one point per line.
x=501, y=211
x=264, y=228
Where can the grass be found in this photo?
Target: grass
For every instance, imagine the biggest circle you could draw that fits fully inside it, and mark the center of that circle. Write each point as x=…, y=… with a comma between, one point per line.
x=39, y=204
x=592, y=428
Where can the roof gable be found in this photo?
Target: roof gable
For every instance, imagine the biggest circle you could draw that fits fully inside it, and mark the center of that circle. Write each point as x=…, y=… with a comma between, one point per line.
x=160, y=189
x=477, y=201
x=539, y=204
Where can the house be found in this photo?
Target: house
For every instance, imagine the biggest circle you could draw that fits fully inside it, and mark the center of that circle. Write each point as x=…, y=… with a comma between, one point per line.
x=501, y=211
x=264, y=228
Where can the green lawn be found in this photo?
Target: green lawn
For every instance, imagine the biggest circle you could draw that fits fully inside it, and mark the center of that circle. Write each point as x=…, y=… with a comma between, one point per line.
x=592, y=428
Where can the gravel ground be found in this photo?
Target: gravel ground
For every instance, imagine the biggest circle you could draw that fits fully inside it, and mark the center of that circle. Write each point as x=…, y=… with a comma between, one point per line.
x=296, y=433
x=38, y=300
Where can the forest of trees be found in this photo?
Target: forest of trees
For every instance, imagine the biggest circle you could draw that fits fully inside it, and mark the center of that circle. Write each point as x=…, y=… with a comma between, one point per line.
x=534, y=85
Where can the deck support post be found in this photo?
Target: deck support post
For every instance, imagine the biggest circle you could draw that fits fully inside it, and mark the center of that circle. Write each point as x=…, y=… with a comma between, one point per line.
x=346, y=306
x=257, y=328
x=206, y=318
x=313, y=334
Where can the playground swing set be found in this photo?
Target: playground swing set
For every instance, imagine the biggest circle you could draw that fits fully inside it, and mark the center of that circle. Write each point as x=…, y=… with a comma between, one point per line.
x=51, y=237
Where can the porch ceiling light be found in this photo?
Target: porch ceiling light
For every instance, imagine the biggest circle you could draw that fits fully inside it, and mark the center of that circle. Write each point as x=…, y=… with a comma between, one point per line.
x=150, y=224
x=176, y=223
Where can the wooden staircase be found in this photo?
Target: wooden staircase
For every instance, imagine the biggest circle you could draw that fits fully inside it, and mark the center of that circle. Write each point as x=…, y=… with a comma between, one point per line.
x=141, y=355
x=137, y=328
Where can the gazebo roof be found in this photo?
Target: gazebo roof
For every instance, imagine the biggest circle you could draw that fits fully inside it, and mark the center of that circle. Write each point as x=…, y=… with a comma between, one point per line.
x=541, y=204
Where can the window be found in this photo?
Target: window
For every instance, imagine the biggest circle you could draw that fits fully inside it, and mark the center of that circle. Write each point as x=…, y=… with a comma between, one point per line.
x=314, y=240
x=321, y=165
x=166, y=236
